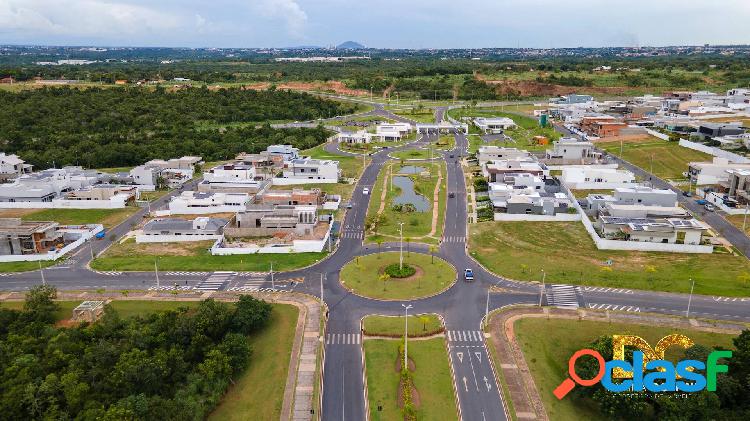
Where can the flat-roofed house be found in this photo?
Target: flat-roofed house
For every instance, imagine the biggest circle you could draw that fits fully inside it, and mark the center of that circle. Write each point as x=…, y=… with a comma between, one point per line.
x=496, y=170
x=654, y=230
x=596, y=178
x=28, y=237
x=199, y=203
x=570, y=150
x=493, y=125
x=489, y=153
x=177, y=230
x=321, y=170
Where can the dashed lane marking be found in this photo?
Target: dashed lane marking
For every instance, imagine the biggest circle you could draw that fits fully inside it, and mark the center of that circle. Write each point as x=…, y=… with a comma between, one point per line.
x=614, y=307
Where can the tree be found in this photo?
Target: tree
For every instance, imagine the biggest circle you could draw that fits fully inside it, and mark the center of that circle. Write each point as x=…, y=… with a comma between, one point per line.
x=39, y=304
x=384, y=278
x=433, y=250
x=250, y=315
x=379, y=242
x=408, y=240
x=424, y=319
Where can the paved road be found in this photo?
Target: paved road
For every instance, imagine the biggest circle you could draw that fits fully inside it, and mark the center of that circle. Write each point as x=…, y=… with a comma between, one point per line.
x=463, y=306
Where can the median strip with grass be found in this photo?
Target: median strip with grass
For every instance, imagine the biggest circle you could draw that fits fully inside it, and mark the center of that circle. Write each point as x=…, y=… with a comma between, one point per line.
x=366, y=276
x=432, y=396
x=193, y=256
x=393, y=326
x=520, y=250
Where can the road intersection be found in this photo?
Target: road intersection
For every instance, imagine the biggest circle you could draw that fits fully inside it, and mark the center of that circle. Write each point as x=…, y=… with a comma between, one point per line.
x=463, y=306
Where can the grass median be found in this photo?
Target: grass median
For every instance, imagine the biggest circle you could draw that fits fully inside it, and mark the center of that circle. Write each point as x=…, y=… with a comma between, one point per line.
x=547, y=345
x=520, y=250
x=419, y=325
x=364, y=276
x=194, y=256
x=434, y=397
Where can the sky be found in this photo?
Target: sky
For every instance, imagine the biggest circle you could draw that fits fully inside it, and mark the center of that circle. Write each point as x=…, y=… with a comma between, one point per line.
x=375, y=23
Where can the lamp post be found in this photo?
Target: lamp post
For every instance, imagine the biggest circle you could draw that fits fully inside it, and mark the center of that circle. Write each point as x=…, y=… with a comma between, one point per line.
x=41, y=272
x=273, y=285
x=406, y=335
x=541, y=291
x=690, y=299
x=744, y=219
x=156, y=272
x=487, y=307
x=401, y=246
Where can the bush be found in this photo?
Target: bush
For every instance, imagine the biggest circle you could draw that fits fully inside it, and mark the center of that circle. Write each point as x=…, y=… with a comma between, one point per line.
x=404, y=272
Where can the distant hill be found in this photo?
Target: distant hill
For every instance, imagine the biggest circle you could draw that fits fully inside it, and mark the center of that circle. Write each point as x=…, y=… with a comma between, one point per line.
x=350, y=45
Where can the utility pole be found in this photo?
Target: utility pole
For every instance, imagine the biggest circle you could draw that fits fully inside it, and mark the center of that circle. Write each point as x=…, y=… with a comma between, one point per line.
x=91, y=249
x=541, y=291
x=690, y=299
x=41, y=272
x=406, y=335
x=400, y=245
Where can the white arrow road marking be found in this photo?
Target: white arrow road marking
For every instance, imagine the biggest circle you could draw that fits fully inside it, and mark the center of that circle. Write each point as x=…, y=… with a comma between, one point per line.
x=466, y=387
x=487, y=383
x=479, y=356
x=460, y=356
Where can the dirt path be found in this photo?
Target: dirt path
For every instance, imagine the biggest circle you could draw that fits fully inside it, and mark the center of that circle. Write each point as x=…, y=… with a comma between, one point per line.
x=384, y=193
x=436, y=204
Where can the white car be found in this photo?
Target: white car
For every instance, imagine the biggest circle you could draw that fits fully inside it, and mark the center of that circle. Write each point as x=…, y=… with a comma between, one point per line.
x=365, y=191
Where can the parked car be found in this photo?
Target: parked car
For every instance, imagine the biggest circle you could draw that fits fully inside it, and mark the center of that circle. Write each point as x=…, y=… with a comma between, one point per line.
x=468, y=275
x=365, y=191
x=451, y=195
x=686, y=193
x=349, y=205
x=709, y=207
x=701, y=201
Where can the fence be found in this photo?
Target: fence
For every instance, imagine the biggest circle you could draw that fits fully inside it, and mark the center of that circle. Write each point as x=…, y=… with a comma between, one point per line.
x=113, y=203
x=659, y=135
x=560, y=217
x=731, y=156
x=297, y=246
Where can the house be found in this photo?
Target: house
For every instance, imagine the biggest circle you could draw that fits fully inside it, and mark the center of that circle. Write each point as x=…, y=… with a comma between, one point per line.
x=46, y=185
x=569, y=150
x=173, y=172
x=636, y=195
x=11, y=166
x=643, y=211
x=231, y=173
x=596, y=178
x=104, y=192
x=184, y=163
x=28, y=237
x=386, y=132
x=709, y=130
x=496, y=170
x=287, y=152
x=571, y=99
x=654, y=230
x=121, y=82
x=602, y=126
x=293, y=197
x=492, y=125
x=177, y=230
x=266, y=219
x=442, y=127
x=360, y=136
x=486, y=154
x=198, y=203
x=524, y=193
x=308, y=169
x=714, y=172
x=7, y=80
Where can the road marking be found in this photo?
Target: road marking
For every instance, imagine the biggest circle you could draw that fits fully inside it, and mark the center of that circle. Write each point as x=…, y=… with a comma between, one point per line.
x=487, y=383
x=465, y=336
x=614, y=307
x=466, y=386
x=730, y=299
x=479, y=356
x=343, y=338
x=460, y=356
x=606, y=289
x=562, y=296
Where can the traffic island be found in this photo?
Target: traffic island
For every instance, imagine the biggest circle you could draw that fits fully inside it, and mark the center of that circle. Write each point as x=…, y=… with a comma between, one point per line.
x=370, y=276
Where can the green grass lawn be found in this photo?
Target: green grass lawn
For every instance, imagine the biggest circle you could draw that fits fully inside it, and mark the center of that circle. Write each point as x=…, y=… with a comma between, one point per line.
x=107, y=217
x=25, y=266
x=394, y=325
x=662, y=158
x=363, y=277
x=582, y=194
x=523, y=135
x=423, y=116
x=432, y=379
x=547, y=345
x=446, y=142
x=520, y=250
x=426, y=153
x=130, y=256
x=416, y=224
x=351, y=166
x=259, y=392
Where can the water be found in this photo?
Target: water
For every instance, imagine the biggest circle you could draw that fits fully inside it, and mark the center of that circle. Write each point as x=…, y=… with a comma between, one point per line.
x=411, y=169
x=408, y=195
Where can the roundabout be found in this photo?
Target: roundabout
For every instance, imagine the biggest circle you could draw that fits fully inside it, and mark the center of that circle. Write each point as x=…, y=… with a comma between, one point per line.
x=379, y=276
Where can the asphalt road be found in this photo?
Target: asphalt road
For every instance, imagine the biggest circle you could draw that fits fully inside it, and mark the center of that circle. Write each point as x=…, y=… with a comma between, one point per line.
x=462, y=306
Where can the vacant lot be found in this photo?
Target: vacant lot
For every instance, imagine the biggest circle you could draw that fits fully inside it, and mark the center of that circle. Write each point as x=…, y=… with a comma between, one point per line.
x=547, y=345
x=362, y=275
x=520, y=250
x=662, y=158
x=522, y=136
x=193, y=256
x=420, y=116
x=107, y=217
x=434, y=399
x=420, y=324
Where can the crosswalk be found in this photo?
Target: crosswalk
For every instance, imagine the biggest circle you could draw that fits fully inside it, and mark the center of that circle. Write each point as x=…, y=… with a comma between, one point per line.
x=251, y=286
x=465, y=336
x=605, y=289
x=343, y=338
x=215, y=282
x=185, y=273
x=171, y=288
x=251, y=274
x=109, y=273
x=730, y=299
x=454, y=239
x=562, y=296
x=353, y=234
x=614, y=307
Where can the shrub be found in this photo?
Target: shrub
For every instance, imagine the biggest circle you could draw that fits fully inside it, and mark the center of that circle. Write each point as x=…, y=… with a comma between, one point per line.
x=404, y=272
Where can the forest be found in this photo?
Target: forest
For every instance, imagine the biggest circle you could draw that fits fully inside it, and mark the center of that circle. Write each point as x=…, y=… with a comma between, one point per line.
x=171, y=365
x=114, y=127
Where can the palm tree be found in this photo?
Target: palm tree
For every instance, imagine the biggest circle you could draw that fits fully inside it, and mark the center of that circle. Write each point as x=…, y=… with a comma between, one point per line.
x=379, y=241
x=384, y=278
x=433, y=250
x=424, y=319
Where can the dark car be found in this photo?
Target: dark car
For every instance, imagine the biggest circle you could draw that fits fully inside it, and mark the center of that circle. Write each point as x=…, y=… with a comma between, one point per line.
x=451, y=195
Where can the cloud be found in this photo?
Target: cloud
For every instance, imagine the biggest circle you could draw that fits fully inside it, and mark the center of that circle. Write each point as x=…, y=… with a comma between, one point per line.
x=289, y=11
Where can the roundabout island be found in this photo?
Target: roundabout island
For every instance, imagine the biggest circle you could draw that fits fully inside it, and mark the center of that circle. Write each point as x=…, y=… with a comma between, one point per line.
x=380, y=276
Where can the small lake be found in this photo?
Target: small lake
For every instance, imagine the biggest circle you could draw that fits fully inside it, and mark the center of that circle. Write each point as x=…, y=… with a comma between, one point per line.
x=411, y=169
x=408, y=195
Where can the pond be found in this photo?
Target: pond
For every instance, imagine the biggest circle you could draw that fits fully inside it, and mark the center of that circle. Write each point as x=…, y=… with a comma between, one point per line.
x=408, y=195
x=411, y=169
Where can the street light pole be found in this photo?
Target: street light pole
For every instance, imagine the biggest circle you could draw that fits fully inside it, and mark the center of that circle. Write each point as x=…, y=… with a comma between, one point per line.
x=744, y=220
x=273, y=286
x=400, y=246
x=406, y=335
x=321, y=287
x=541, y=291
x=41, y=272
x=690, y=299
x=156, y=273
x=487, y=307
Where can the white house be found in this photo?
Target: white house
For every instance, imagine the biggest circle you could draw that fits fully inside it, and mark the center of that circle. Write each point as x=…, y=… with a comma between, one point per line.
x=596, y=178
x=491, y=125
x=11, y=166
x=308, y=170
x=495, y=153
x=360, y=136
x=569, y=150
x=391, y=131
x=197, y=203
x=666, y=230
x=172, y=230
x=288, y=152
x=710, y=173
x=230, y=173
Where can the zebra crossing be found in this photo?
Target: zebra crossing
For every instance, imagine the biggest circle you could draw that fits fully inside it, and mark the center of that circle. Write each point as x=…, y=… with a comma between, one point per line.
x=465, y=336
x=343, y=338
x=605, y=289
x=215, y=282
x=108, y=273
x=251, y=274
x=454, y=239
x=185, y=273
x=614, y=307
x=359, y=235
x=171, y=288
x=730, y=299
x=255, y=285
x=562, y=296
